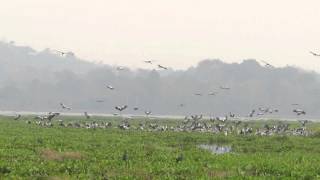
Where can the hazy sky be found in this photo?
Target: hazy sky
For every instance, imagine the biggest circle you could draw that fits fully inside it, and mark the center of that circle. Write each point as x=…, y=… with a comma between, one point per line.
x=176, y=33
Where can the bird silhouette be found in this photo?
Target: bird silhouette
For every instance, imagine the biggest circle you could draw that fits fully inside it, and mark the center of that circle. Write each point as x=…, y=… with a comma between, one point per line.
x=121, y=108
x=162, y=67
x=266, y=64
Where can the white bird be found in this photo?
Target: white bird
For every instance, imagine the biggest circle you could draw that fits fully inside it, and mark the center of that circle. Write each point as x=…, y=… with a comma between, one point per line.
x=315, y=54
x=147, y=113
x=110, y=87
x=198, y=94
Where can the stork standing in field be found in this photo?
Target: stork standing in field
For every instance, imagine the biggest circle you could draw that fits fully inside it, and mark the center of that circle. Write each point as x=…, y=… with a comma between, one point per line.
x=252, y=113
x=304, y=122
x=17, y=116
x=87, y=115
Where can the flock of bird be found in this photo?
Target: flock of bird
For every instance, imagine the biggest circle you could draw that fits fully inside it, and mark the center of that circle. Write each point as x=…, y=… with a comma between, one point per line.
x=228, y=124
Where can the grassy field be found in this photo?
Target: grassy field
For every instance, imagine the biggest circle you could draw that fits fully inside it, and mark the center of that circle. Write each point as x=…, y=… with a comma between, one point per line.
x=34, y=152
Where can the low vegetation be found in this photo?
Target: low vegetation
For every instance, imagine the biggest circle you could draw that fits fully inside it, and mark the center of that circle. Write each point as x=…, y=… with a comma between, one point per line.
x=31, y=151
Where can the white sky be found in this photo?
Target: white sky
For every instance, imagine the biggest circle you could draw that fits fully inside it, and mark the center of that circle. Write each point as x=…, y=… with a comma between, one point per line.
x=176, y=33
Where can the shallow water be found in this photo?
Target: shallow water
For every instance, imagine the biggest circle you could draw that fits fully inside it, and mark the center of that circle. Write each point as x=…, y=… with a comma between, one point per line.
x=216, y=149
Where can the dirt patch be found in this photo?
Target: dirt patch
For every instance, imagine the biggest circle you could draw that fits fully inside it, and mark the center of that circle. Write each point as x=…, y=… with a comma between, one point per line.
x=219, y=174
x=58, y=178
x=72, y=155
x=49, y=154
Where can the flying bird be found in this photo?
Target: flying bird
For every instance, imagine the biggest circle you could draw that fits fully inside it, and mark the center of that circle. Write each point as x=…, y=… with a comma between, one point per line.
x=266, y=64
x=299, y=112
x=225, y=88
x=135, y=108
x=162, y=67
x=212, y=93
x=62, y=53
x=198, y=94
x=110, y=87
x=315, y=54
x=148, y=62
x=120, y=68
x=63, y=106
x=121, y=108
x=147, y=113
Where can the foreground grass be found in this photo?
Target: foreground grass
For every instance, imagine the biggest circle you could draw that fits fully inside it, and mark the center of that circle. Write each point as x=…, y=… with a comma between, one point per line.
x=29, y=151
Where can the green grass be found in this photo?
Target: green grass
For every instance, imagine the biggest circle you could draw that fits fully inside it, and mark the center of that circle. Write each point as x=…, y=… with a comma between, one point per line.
x=32, y=152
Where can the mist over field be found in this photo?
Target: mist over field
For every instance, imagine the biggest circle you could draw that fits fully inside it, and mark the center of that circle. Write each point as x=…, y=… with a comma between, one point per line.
x=39, y=81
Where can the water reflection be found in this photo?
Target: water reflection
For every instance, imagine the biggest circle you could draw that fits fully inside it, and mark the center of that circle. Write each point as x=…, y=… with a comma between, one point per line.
x=216, y=149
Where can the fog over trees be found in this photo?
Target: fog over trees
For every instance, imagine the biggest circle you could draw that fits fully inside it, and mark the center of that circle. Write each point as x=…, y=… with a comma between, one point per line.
x=39, y=81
